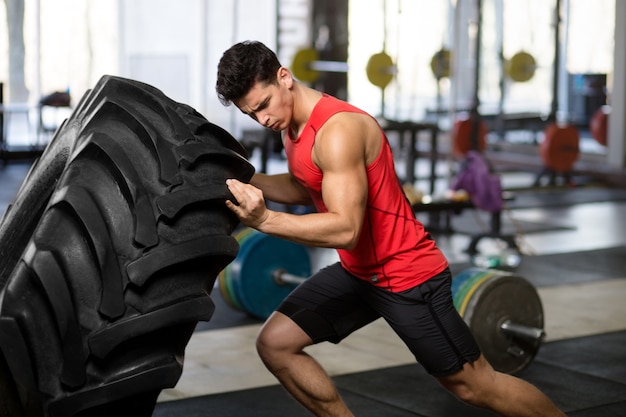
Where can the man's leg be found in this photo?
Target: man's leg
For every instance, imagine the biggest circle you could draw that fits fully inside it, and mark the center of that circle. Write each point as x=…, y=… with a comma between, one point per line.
x=280, y=345
x=480, y=385
x=425, y=318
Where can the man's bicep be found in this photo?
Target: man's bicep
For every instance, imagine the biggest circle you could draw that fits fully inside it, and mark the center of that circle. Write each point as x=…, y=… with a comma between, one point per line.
x=344, y=190
x=340, y=154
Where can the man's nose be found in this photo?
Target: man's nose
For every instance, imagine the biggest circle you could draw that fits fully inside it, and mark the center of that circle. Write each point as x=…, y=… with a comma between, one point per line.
x=263, y=118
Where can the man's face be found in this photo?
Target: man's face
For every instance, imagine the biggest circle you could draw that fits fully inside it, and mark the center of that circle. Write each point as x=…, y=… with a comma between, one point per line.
x=269, y=104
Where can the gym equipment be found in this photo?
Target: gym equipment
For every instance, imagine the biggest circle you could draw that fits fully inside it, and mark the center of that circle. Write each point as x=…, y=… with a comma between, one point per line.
x=520, y=67
x=599, y=124
x=263, y=273
x=55, y=100
x=440, y=63
x=439, y=211
x=465, y=128
x=559, y=149
x=306, y=66
x=303, y=67
x=503, y=310
x=380, y=69
x=114, y=238
x=504, y=313
x=469, y=130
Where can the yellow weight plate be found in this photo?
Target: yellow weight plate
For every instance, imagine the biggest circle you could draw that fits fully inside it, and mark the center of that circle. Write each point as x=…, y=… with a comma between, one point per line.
x=225, y=276
x=521, y=67
x=440, y=64
x=241, y=235
x=301, y=65
x=380, y=69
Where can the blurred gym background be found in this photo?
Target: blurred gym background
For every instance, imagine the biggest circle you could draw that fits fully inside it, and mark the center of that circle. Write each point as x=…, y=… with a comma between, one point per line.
x=55, y=51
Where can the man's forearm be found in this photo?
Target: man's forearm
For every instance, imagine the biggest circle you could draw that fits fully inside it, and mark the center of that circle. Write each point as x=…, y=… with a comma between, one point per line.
x=280, y=188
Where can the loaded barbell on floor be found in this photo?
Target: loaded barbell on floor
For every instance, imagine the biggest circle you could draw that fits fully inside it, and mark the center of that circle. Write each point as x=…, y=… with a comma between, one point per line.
x=252, y=283
x=503, y=310
x=306, y=66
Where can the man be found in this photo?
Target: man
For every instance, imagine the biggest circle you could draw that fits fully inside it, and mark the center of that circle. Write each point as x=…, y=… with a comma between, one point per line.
x=340, y=160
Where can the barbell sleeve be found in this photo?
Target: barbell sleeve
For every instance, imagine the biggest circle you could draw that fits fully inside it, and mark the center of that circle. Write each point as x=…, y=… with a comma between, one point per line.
x=338, y=66
x=282, y=277
x=329, y=66
x=520, y=330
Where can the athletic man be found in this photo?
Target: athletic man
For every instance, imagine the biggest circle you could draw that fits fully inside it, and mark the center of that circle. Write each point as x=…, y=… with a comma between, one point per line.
x=339, y=160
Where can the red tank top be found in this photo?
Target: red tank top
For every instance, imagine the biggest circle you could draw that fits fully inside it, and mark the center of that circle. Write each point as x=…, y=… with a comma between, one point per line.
x=394, y=251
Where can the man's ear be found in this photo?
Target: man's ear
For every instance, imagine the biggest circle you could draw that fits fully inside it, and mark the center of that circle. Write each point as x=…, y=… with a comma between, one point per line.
x=285, y=77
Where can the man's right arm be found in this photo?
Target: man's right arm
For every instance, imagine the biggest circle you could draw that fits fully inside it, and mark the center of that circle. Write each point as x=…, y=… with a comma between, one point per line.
x=281, y=188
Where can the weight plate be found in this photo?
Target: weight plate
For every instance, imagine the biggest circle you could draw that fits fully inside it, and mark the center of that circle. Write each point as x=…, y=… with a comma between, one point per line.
x=252, y=272
x=380, y=69
x=560, y=147
x=498, y=298
x=301, y=65
x=465, y=284
x=223, y=280
x=599, y=124
x=521, y=67
x=440, y=64
x=225, y=276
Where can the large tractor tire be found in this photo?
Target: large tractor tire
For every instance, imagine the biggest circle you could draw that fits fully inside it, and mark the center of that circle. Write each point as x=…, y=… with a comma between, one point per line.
x=127, y=231
x=21, y=217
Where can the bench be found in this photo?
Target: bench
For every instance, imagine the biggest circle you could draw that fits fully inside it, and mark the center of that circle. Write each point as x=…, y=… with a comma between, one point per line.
x=439, y=220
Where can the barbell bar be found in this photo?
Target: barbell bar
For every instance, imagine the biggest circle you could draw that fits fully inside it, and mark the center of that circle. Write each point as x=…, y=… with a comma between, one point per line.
x=329, y=66
x=282, y=277
x=520, y=67
x=306, y=66
x=380, y=69
x=503, y=310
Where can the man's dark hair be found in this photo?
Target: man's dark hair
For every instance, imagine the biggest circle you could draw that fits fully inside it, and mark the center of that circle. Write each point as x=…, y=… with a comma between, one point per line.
x=243, y=65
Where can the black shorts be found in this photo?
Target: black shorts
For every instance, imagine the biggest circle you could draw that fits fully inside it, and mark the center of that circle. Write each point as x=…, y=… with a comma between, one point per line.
x=333, y=303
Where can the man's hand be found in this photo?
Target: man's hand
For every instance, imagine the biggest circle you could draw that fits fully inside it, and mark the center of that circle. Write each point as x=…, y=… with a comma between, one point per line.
x=251, y=210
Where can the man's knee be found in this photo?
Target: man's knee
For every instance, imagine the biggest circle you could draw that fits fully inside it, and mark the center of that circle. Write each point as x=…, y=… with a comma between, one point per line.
x=473, y=384
x=268, y=341
x=280, y=336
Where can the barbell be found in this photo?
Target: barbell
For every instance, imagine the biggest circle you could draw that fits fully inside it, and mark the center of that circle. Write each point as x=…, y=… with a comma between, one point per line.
x=503, y=310
x=306, y=66
x=252, y=281
x=520, y=67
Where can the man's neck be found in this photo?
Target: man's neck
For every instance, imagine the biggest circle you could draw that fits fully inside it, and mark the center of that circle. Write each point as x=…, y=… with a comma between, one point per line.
x=305, y=99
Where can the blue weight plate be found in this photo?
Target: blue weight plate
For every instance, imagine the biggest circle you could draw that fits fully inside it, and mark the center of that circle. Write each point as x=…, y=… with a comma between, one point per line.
x=461, y=279
x=252, y=278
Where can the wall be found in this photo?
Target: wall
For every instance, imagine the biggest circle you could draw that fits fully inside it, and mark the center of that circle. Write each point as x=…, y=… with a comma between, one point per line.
x=176, y=46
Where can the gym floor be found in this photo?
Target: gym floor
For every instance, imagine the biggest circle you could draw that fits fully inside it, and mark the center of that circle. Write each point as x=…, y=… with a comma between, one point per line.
x=574, y=240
